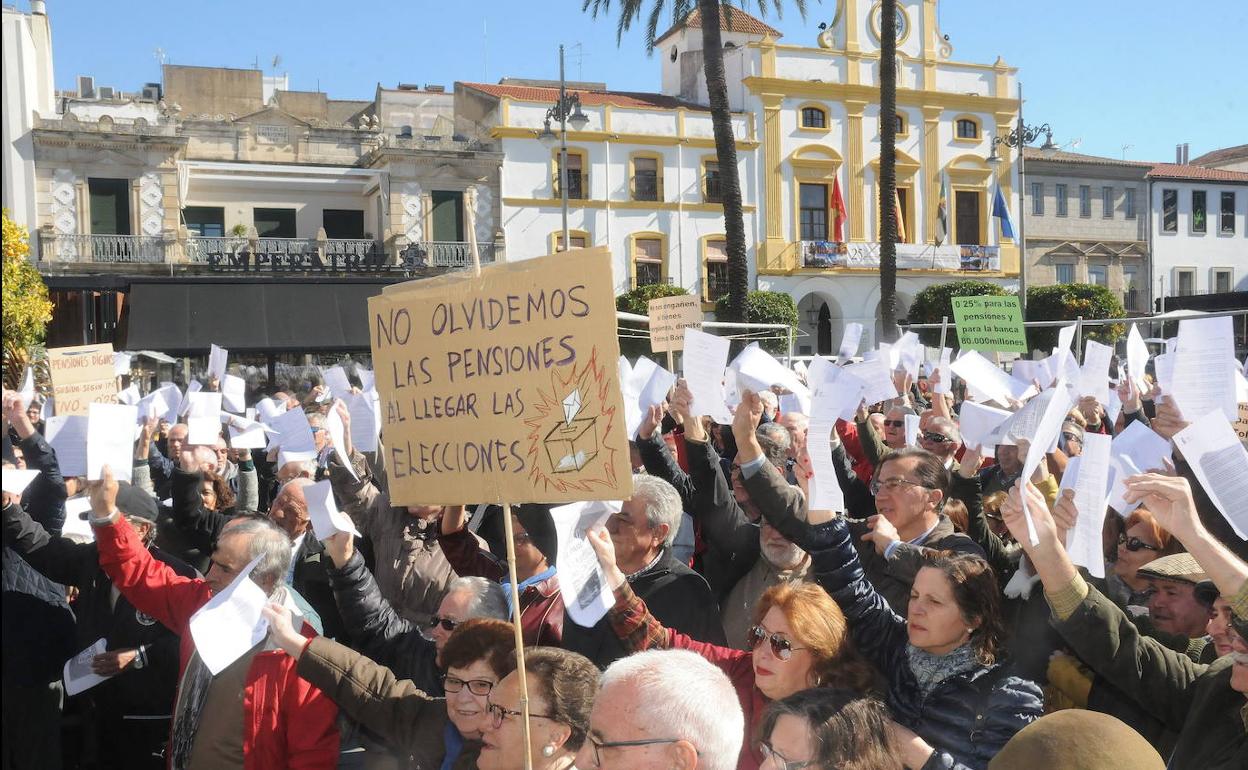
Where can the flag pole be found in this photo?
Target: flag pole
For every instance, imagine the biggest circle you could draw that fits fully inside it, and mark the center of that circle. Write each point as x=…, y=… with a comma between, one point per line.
x=509, y=536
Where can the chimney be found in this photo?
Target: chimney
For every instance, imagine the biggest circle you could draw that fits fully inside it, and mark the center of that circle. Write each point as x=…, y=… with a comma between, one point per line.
x=1178, y=153
x=37, y=8
x=1186, y=153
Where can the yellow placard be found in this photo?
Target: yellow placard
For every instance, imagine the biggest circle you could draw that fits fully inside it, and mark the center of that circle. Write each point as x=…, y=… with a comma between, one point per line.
x=82, y=375
x=669, y=317
x=502, y=387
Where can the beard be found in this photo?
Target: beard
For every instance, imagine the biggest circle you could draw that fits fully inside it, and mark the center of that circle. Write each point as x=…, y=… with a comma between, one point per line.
x=781, y=556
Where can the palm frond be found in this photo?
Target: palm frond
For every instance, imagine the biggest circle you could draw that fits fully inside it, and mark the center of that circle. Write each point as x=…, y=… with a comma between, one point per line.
x=652, y=24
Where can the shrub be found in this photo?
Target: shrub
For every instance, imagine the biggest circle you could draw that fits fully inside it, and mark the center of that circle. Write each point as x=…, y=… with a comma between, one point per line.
x=767, y=307
x=1066, y=302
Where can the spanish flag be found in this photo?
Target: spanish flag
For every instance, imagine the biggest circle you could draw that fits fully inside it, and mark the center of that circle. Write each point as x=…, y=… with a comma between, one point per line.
x=838, y=212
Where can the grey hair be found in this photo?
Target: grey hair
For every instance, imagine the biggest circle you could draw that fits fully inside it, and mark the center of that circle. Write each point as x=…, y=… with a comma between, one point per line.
x=488, y=600
x=662, y=502
x=682, y=695
x=903, y=409
x=316, y=420
x=769, y=399
x=269, y=542
x=775, y=441
x=949, y=426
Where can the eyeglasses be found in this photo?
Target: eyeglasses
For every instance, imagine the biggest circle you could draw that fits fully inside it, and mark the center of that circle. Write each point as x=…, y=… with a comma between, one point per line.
x=895, y=423
x=475, y=686
x=1072, y=437
x=782, y=647
x=778, y=760
x=448, y=624
x=498, y=714
x=893, y=484
x=937, y=438
x=600, y=745
x=1136, y=544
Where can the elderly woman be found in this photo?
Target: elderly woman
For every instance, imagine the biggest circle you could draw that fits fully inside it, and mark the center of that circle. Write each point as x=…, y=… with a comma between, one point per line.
x=1142, y=541
x=827, y=729
x=561, y=689
x=434, y=734
x=798, y=640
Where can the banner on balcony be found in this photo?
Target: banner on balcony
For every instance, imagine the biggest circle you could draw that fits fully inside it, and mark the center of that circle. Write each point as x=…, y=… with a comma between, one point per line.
x=910, y=256
x=82, y=375
x=990, y=323
x=503, y=386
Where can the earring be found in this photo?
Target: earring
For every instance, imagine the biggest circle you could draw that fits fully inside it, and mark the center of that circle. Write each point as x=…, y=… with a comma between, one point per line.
x=548, y=751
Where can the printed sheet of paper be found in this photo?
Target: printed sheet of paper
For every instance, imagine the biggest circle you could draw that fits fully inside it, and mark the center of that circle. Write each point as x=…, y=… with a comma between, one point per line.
x=217, y=358
x=912, y=430
x=247, y=434
x=837, y=399
x=185, y=405
x=983, y=377
x=586, y=595
x=1204, y=373
x=851, y=339
x=1045, y=437
x=337, y=434
x=17, y=479
x=203, y=418
x=78, y=674
x=130, y=395
x=268, y=410
x=758, y=370
x=326, y=519
x=1137, y=357
x=294, y=436
x=669, y=317
x=909, y=354
x=820, y=372
x=111, y=432
x=1066, y=338
x=978, y=422
x=365, y=420
x=946, y=374
x=230, y=623
x=1220, y=463
x=1094, y=375
x=337, y=382
x=705, y=360
x=1090, y=482
x=68, y=436
x=877, y=380
x=233, y=394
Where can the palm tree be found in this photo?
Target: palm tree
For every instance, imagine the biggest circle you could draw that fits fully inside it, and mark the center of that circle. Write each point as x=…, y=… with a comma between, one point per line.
x=888, y=170
x=721, y=118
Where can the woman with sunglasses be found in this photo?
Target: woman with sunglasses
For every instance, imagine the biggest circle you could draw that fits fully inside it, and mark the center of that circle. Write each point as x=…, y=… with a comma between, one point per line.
x=827, y=728
x=561, y=686
x=1141, y=541
x=429, y=732
x=798, y=641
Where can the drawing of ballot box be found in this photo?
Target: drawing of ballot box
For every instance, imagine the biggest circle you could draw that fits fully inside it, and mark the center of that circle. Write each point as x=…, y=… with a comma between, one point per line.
x=571, y=446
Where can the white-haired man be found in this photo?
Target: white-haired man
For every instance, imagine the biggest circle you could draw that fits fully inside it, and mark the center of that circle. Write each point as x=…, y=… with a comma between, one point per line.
x=664, y=710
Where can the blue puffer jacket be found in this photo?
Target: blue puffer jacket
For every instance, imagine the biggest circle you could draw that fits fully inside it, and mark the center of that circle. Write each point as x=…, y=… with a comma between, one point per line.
x=968, y=717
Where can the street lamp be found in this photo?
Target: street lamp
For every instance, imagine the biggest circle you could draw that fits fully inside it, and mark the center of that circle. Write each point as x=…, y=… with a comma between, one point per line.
x=566, y=110
x=1019, y=138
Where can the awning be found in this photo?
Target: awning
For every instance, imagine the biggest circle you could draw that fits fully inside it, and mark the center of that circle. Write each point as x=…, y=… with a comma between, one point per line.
x=259, y=317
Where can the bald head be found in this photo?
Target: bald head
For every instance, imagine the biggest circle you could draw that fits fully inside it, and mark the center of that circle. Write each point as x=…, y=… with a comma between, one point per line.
x=290, y=509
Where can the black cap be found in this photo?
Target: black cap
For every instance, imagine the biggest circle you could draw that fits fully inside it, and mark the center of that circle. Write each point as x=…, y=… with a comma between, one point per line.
x=132, y=501
x=1206, y=592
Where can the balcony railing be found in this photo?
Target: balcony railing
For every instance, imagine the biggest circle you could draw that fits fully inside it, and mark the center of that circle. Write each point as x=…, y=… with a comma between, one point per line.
x=104, y=248
x=910, y=256
x=444, y=254
x=647, y=187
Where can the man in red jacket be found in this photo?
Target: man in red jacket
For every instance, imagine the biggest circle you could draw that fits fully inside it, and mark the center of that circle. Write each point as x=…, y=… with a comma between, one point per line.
x=255, y=714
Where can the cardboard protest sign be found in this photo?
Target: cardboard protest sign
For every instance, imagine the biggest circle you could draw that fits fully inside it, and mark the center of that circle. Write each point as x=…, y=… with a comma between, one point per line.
x=82, y=375
x=990, y=323
x=669, y=317
x=503, y=386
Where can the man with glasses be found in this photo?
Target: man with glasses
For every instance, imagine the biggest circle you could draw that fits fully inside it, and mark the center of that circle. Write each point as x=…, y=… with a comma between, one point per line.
x=661, y=710
x=879, y=443
x=942, y=438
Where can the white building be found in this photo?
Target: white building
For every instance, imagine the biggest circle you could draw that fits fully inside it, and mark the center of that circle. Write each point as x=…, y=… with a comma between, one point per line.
x=1199, y=230
x=28, y=91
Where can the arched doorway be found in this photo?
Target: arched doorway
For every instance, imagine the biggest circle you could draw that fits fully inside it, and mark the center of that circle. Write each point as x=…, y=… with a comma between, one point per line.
x=824, y=334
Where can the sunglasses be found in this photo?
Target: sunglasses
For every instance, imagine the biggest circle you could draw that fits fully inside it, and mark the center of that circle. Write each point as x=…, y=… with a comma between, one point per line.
x=475, y=686
x=895, y=423
x=937, y=438
x=446, y=623
x=1136, y=544
x=781, y=646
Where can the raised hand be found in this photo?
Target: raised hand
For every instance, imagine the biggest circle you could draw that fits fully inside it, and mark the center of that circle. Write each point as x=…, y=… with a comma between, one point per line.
x=282, y=630
x=198, y=459
x=651, y=421
x=1012, y=514
x=340, y=546
x=1169, y=499
x=15, y=415
x=748, y=415
x=600, y=540
x=882, y=533
x=972, y=458
x=103, y=494
x=1169, y=419
x=1065, y=514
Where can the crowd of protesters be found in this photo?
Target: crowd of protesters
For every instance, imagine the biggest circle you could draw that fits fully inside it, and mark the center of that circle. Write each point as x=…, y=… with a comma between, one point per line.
x=922, y=627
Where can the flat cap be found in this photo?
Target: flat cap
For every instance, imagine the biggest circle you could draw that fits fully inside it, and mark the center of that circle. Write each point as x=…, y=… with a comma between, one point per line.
x=1179, y=567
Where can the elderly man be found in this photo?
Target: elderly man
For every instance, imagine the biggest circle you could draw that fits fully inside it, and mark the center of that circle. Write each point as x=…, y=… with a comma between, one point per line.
x=879, y=441
x=941, y=437
x=664, y=710
x=1174, y=607
x=255, y=713
x=162, y=465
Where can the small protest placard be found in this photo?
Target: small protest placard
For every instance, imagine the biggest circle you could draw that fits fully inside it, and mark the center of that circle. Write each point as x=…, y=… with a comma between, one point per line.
x=503, y=386
x=669, y=317
x=82, y=375
x=990, y=323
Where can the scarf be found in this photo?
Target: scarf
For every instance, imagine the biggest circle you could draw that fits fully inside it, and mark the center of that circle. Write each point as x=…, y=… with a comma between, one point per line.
x=454, y=743
x=545, y=574
x=186, y=720
x=930, y=670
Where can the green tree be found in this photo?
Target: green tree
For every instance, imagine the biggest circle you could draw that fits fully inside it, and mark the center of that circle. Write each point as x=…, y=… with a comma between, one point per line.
x=765, y=307
x=638, y=301
x=936, y=301
x=709, y=11
x=27, y=309
x=888, y=170
x=1067, y=302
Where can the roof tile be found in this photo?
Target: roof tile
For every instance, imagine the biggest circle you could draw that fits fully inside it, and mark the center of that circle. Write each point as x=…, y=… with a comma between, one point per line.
x=740, y=21
x=589, y=98
x=1201, y=173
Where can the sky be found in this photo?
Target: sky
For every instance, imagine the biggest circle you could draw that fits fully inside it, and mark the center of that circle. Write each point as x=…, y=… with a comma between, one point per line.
x=1119, y=78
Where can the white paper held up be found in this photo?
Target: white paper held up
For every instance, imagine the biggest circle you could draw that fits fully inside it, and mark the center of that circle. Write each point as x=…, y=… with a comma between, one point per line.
x=17, y=479
x=234, y=394
x=337, y=381
x=851, y=338
x=1094, y=374
x=365, y=420
x=912, y=430
x=705, y=358
x=68, y=436
x=337, y=434
x=946, y=374
x=217, y=358
x=1137, y=357
x=1204, y=371
x=977, y=423
x=586, y=595
x=985, y=378
x=27, y=391
x=1220, y=463
x=230, y=623
x=111, y=432
x=327, y=520
x=1046, y=435
x=877, y=380
x=1090, y=483
x=79, y=676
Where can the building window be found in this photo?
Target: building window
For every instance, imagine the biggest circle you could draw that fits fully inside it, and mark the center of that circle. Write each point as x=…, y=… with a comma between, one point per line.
x=1065, y=272
x=715, y=284
x=1185, y=282
x=967, y=128
x=1107, y=202
x=1098, y=275
x=1060, y=194
x=577, y=238
x=1085, y=200
x=576, y=175
x=1129, y=202
x=647, y=260
x=711, y=192
x=447, y=215
x=647, y=181
x=1227, y=224
x=813, y=218
x=110, y=206
x=1170, y=211
x=1130, y=290
x=1221, y=281
x=1199, y=211
x=814, y=117
x=204, y=221
x=900, y=126
x=1037, y=199
x=274, y=223
x=343, y=223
